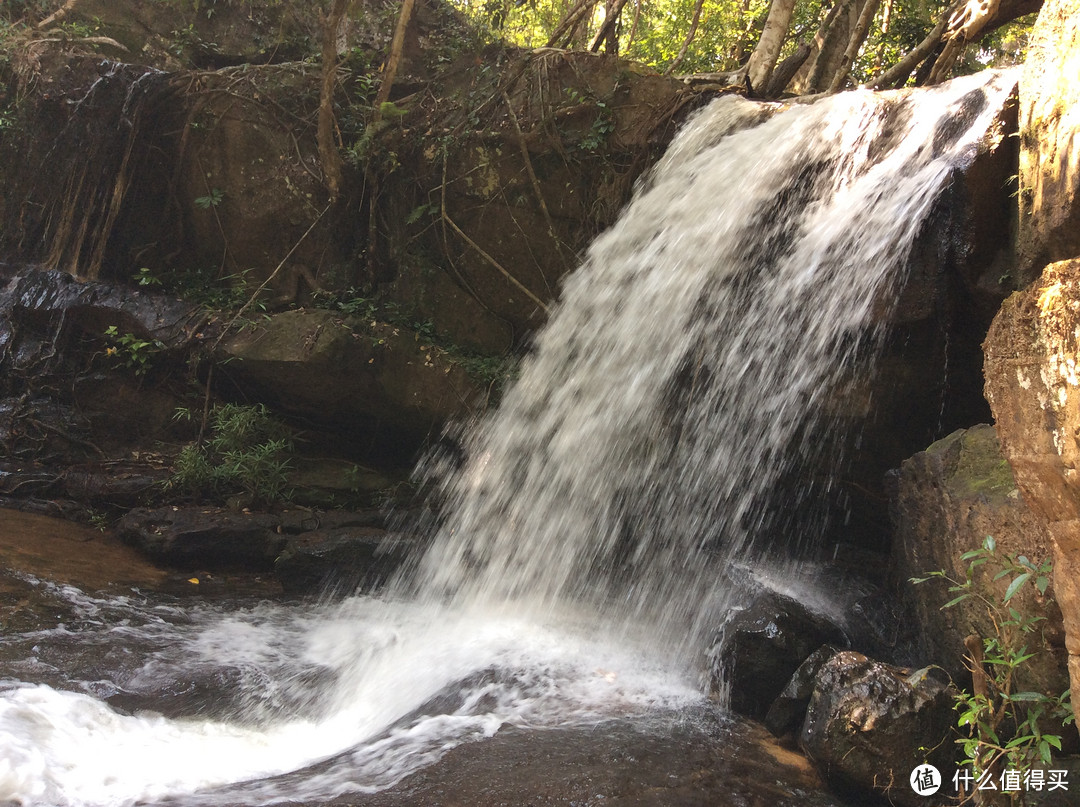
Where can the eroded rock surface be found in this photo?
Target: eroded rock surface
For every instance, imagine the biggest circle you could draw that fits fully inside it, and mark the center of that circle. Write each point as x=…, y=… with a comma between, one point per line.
x=1033, y=387
x=1050, y=147
x=945, y=501
x=869, y=725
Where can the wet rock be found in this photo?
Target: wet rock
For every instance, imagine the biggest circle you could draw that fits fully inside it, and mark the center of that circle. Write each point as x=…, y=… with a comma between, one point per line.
x=327, y=483
x=50, y=303
x=761, y=647
x=787, y=712
x=198, y=537
x=344, y=559
x=944, y=502
x=868, y=725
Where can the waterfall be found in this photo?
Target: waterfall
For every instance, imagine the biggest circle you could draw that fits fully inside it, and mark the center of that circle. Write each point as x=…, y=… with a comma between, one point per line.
x=689, y=367
x=692, y=359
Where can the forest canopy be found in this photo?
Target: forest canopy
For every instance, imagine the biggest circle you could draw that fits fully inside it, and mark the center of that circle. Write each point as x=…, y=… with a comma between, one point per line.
x=718, y=36
x=771, y=47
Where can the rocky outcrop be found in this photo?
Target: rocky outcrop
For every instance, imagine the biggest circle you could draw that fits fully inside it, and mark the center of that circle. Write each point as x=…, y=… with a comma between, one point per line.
x=868, y=725
x=1050, y=146
x=1032, y=352
x=1032, y=347
x=204, y=537
x=373, y=380
x=944, y=502
x=309, y=551
x=927, y=380
x=341, y=559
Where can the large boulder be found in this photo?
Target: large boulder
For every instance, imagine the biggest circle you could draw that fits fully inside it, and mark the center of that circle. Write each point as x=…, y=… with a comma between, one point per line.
x=202, y=537
x=944, y=502
x=869, y=724
x=376, y=381
x=760, y=648
x=340, y=560
x=1032, y=353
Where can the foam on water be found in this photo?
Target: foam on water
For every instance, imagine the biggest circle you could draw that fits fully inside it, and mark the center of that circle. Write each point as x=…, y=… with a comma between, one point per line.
x=396, y=685
x=577, y=569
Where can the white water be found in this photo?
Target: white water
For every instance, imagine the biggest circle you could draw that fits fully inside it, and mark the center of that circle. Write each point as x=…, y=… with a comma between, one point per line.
x=578, y=565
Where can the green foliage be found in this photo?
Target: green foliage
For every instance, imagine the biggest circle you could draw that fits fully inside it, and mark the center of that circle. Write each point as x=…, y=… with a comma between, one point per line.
x=201, y=286
x=130, y=350
x=1005, y=726
x=145, y=277
x=248, y=451
x=653, y=33
x=212, y=199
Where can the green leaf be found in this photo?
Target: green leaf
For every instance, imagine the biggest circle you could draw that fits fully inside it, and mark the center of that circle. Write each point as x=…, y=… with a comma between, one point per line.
x=1026, y=696
x=1015, y=585
x=955, y=601
x=990, y=544
x=1022, y=740
x=1041, y=583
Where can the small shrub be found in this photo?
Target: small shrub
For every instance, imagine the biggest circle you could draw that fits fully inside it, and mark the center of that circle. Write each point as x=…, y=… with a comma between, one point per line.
x=131, y=351
x=1004, y=726
x=248, y=451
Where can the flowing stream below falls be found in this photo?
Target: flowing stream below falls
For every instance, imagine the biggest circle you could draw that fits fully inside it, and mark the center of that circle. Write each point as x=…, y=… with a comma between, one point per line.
x=567, y=596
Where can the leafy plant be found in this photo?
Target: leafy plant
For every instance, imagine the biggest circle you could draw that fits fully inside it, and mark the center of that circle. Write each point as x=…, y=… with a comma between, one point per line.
x=132, y=351
x=212, y=199
x=248, y=451
x=1005, y=726
x=145, y=277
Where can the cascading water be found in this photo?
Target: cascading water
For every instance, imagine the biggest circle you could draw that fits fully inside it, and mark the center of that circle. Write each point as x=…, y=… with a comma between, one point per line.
x=577, y=567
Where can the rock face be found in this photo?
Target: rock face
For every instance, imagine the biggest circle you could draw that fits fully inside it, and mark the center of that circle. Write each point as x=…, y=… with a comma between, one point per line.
x=927, y=379
x=1050, y=149
x=944, y=502
x=1032, y=352
x=1032, y=347
x=869, y=725
x=342, y=559
x=382, y=383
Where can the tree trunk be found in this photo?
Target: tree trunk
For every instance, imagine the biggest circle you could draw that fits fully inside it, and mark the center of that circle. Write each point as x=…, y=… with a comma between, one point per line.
x=898, y=73
x=836, y=30
x=689, y=38
x=569, y=22
x=858, y=36
x=606, y=35
x=394, y=60
x=329, y=155
x=763, y=59
x=785, y=71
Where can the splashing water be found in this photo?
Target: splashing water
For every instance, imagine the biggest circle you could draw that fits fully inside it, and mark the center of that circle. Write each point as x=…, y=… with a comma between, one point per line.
x=577, y=568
